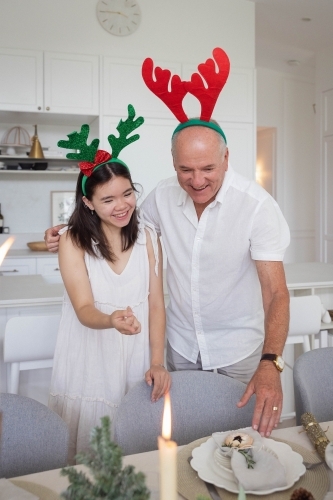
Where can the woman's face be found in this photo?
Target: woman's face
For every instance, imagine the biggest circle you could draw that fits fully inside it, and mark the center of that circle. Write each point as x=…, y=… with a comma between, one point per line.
x=114, y=201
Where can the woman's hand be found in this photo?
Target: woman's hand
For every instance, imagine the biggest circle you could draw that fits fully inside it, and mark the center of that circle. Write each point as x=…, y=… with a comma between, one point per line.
x=125, y=322
x=160, y=378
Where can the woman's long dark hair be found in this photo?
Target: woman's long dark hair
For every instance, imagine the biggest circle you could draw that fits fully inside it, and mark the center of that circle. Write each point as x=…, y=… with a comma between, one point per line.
x=84, y=227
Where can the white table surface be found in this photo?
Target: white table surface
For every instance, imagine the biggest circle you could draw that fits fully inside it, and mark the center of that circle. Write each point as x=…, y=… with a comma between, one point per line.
x=149, y=464
x=31, y=289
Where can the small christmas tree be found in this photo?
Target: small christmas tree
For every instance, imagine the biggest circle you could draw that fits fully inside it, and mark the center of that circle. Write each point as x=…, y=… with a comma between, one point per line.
x=111, y=480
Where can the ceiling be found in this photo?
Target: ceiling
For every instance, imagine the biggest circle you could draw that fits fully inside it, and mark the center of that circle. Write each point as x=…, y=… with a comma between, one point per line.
x=283, y=35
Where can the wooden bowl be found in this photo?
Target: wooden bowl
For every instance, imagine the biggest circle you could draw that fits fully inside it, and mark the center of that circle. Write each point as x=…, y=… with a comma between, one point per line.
x=37, y=246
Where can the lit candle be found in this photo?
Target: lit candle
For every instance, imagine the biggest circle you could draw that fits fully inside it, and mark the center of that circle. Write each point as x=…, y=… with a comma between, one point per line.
x=5, y=247
x=168, y=456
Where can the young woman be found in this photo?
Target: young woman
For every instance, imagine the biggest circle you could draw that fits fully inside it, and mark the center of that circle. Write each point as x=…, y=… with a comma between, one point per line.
x=111, y=333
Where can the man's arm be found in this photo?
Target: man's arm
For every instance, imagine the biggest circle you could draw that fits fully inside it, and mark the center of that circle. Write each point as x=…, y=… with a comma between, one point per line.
x=266, y=383
x=51, y=238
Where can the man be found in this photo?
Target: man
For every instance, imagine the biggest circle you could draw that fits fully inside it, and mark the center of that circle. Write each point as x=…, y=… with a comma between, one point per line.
x=225, y=239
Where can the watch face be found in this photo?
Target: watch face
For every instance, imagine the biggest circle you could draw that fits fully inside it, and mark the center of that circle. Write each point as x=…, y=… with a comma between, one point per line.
x=280, y=362
x=119, y=17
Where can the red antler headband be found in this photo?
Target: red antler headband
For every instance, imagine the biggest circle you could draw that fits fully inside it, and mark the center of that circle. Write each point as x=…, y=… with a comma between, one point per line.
x=207, y=95
x=95, y=158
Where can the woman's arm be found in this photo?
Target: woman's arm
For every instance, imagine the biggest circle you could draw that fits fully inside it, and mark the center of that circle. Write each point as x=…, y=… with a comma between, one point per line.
x=75, y=277
x=157, y=372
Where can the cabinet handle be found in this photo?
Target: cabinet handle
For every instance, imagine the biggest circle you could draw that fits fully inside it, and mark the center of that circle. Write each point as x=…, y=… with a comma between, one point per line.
x=10, y=271
x=47, y=109
x=56, y=269
x=39, y=108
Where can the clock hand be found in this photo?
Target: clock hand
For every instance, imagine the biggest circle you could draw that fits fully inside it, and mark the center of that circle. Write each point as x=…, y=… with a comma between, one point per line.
x=113, y=12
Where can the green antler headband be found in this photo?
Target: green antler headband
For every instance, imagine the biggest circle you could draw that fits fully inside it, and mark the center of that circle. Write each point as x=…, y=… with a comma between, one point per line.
x=94, y=157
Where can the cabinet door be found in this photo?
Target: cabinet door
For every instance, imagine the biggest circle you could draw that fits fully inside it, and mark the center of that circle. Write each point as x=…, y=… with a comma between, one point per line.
x=14, y=267
x=21, y=82
x=71, y=83
x=123, y=85
x=48, y=266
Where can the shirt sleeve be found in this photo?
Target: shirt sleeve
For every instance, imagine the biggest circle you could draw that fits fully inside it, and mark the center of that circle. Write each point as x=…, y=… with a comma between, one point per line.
x=149, y=211
x=270, y=235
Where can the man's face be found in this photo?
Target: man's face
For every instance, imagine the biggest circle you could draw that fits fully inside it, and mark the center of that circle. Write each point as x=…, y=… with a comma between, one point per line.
x=199, y=163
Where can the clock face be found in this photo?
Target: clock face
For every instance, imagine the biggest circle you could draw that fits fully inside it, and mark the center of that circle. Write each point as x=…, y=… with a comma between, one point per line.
x=119, y=17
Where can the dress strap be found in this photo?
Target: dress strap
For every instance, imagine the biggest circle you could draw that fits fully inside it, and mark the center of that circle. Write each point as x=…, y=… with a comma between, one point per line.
x=63, y=230
x=143, y=224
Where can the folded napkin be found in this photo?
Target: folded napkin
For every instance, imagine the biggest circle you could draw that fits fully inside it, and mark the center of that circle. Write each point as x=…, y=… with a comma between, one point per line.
x=267, y=473
x=329, y=455
x=8, y=491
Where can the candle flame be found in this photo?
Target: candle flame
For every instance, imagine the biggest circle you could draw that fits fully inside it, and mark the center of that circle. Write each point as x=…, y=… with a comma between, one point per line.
x=166, y=425
x=5, y=247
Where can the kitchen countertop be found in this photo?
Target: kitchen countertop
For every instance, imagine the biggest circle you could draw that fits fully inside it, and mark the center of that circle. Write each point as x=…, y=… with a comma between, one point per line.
x=27, y=253
x=31, y=289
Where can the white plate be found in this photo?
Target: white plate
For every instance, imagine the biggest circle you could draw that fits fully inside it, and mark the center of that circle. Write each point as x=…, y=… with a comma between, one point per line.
x=203, y=462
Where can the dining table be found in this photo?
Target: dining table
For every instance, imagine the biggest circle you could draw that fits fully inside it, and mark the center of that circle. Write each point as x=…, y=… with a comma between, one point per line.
x=148, y=463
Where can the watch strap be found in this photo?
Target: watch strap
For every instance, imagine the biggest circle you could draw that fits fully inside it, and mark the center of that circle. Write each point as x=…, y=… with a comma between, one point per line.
x=268, y=357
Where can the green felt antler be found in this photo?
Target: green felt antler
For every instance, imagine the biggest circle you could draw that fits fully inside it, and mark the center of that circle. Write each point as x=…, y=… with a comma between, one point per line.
x=79, y=141
x=124, y=129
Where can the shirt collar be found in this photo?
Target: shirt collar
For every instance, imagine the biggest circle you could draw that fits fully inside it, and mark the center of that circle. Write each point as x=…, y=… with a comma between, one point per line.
x=183, y=196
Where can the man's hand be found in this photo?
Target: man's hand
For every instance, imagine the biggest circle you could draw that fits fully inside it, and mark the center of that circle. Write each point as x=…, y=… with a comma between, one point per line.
x=125, y=322
x=158, y=375
x=266, y=384
x=51, y=238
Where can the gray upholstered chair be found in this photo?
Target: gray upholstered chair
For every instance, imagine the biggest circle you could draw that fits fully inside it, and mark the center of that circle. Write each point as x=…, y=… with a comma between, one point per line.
x=202, y=403
x=33, y=438
x=313, y=375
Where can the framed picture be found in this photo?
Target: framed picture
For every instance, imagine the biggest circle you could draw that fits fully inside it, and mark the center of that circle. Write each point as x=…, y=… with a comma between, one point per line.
x=62, y=206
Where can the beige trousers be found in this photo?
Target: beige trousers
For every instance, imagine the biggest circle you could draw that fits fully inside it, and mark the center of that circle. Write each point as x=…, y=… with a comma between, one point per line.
x=242, y=370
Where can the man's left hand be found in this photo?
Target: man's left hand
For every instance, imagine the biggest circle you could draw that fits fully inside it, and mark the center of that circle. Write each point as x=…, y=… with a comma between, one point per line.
x=266, y=384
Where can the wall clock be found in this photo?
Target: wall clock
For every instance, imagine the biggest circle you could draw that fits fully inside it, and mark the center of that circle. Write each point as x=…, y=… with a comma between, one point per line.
x=119, y=17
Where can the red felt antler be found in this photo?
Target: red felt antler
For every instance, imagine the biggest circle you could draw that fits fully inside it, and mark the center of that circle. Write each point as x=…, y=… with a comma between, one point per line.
x=215, y=81
x=172, y=99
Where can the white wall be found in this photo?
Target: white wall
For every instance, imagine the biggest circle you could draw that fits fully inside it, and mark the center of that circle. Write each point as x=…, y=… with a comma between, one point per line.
x=176, y=31
x=286, y=103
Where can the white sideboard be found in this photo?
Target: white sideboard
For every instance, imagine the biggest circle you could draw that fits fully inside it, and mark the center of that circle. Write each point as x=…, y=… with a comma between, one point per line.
x=26, y=262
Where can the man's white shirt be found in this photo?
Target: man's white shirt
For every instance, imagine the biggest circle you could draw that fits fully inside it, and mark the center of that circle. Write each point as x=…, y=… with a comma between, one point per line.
x=215, y=295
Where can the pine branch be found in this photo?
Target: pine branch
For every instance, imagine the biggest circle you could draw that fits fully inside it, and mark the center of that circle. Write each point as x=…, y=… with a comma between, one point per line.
x=78, y=140
x=111, y=480
x=125, y=128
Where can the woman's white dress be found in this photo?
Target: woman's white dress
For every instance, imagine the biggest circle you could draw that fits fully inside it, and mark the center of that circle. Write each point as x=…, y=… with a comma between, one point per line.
x=94, y=369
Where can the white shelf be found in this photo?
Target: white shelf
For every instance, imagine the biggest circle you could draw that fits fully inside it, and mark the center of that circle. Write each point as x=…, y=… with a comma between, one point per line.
x=40, y=172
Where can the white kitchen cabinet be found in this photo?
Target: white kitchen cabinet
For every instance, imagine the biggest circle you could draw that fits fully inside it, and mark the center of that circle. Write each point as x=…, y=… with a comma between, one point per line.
x=15, y=267
x=21, y=82
x=71, y=83
x=49, y=82
x=48, y=267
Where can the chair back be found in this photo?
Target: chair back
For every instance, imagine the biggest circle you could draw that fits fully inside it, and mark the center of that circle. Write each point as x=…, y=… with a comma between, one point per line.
x=313, y=375
x=305, y=315
x=30, y=338
x=33, y=437
x=201, y=403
